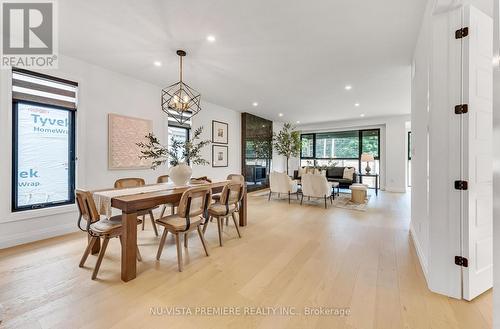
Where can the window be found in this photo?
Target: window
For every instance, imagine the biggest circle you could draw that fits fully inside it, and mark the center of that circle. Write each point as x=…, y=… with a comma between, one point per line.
x=409, y=159
x=43, y=171
x=370, y=142
x=337, y=145
x=307, y=146
x=178, y=134
x=342, y=148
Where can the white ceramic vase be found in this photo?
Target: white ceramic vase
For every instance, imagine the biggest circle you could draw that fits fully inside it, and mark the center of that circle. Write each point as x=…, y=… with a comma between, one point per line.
x=180, y=174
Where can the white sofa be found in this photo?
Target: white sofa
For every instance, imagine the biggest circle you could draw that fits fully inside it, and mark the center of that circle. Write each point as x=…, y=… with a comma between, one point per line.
x=282, y=183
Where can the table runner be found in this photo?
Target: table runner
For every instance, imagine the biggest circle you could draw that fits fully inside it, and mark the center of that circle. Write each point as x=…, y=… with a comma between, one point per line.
x=103, y=198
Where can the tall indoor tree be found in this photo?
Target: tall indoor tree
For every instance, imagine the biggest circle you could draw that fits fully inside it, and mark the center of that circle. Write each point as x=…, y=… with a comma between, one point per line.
x=287, y=142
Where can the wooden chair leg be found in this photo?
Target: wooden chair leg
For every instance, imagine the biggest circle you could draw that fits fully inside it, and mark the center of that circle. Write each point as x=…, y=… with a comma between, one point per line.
x=288, y=197
x=163, y=211
x=325, y=201
x=143, y=223
x=302, y=199
x=162, y=244
x=151, y=215
x=205, y=226
x=236, y=224
x=172, y=210
x=90, y=245
x=269, y=197
x=186, y=239
x=202, y=240
x=179, y=251
x=100, y=257
x=138, y=255
x=219, y=227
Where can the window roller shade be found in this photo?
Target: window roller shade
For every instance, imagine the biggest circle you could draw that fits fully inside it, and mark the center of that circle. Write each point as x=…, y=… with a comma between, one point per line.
x=36, y=87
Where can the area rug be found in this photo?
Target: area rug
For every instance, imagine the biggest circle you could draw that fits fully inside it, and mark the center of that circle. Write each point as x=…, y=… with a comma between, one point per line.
x=344, y=201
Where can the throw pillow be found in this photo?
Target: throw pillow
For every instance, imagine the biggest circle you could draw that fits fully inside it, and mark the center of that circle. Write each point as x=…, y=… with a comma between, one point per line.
x=348, y=173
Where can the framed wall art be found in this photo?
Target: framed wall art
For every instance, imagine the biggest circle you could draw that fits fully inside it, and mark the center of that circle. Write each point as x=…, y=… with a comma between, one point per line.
x=219, y=156
x=123, y=134
x=219, y=132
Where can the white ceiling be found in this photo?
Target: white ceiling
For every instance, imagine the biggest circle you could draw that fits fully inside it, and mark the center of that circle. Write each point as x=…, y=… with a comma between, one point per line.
x=291, y=56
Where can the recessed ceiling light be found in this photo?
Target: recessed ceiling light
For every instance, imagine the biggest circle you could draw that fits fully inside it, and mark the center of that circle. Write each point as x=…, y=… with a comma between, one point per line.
x=255, y=104
x=211, y=38
x=298, y=122
x=348, y=87
x=280, y=114
x=356, y=104
x=362, y=115
x=157, y=63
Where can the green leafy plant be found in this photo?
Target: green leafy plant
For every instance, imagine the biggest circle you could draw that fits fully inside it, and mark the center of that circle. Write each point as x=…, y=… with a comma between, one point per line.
x=263, y=148
x=178, y=152
x=287, y=142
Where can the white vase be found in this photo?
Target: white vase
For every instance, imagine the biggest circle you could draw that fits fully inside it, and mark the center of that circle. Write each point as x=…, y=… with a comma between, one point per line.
x=180, y=174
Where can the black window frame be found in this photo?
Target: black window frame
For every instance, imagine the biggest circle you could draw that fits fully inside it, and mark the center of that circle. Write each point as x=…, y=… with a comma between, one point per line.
x=314, y=146
x=179, y=126
x=15, y=160
x=360, y=145
x=409, y=145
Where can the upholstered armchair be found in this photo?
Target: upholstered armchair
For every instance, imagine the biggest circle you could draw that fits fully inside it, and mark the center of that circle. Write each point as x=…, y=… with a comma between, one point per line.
x=282, y=183
x=316, y=186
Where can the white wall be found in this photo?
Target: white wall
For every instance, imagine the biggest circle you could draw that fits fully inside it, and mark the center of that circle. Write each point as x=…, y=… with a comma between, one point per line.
x=496, y=170
x=393, y=141
x=233, y=119
x=101, y=91
x=419, y=226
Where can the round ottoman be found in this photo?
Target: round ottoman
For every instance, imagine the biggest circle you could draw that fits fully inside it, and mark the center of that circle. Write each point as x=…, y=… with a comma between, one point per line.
x=358, y=193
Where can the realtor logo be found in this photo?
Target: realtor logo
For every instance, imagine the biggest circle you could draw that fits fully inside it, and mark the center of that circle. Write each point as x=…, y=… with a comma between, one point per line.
x=28, y=34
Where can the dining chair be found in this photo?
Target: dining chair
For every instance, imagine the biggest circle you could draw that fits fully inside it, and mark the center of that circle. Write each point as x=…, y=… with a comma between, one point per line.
x=164, y=179
x=97, y=228
x=137, y=182
x=237, y=178
x=234, y=178
x=231, y=196
x=191, y=213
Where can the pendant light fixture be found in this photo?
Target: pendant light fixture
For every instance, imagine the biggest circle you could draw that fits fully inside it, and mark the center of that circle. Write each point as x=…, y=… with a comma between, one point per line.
x=180, y=101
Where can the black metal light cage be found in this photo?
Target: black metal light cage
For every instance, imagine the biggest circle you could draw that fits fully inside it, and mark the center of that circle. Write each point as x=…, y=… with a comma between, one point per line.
x=180, y=90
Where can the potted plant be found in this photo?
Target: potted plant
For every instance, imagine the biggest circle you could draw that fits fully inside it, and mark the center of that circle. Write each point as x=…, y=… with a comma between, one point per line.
x=287, y=142
x=179, y=155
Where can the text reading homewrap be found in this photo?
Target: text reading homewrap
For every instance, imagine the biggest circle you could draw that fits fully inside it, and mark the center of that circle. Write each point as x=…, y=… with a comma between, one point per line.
x=48, y=125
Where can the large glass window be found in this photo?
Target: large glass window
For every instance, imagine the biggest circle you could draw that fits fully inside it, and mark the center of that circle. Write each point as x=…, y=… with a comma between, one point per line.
x=178, y=134
x=337, y=145
x=370, y=142
x=342, y=149
x=307, y=148
x=43, y=171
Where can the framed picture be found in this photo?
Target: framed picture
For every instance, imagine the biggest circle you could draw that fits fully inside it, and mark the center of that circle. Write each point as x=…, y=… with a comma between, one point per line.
x=219, y=156
x=219, y=132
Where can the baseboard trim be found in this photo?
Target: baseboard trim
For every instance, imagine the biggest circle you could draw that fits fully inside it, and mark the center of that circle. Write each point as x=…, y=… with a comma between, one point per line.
x=421, y=258
x=395, y=190
x=32, y=236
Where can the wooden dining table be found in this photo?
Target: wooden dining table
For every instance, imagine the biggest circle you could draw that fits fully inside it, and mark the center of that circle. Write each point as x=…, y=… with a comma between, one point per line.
x=130, y=205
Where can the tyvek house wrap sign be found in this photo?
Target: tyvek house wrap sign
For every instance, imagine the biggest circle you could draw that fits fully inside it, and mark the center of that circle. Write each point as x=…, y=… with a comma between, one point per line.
x=43, y=159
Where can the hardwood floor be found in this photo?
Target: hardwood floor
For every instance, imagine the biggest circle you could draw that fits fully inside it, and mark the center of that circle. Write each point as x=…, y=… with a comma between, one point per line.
x=289, y=256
